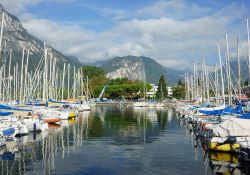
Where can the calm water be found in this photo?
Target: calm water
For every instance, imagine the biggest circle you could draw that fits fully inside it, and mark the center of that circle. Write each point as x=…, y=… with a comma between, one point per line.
x=108, y=141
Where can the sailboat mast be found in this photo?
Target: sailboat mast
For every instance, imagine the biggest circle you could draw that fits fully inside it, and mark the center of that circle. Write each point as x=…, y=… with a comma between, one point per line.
x=26, y=75
x=45, y=74
x=144, y=78
x=221, y=73
x=14, y=77
x=74, y=84
x=207, y=83
x=238, y=57
x=248, y=43
x=194, y=83
x=186, y=88
x=9, y=76
x=21, y=79
x=1, y=35
x=64, y=65
x=228, y=73
x=68, y=78
x=216, y=84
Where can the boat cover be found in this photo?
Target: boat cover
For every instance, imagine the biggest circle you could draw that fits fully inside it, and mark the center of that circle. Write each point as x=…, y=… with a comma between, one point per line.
x=63, y=102
x=232, y=127
x=5, y=113
x=8, y=156
x=35, y=104
x=230, y=110
x=8, y=132
x=212, y=111
x=245, y=116
x=12, y=108
x=221, y=110
x=54, y=101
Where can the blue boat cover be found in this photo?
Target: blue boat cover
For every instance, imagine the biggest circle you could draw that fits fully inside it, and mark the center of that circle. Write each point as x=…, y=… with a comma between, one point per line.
x=53, y=101
x=238, y=109
x=62, y=102
x=8, y=132
x=35, y=104
x=8, y=156
x=227, y=110
x=13, y=108
x=5, y=113
x=212, y=112
x=245, y=116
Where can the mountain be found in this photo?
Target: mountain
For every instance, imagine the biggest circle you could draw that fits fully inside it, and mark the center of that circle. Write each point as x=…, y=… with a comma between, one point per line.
x=243, y=67
x=16, y=38
x=133, y=67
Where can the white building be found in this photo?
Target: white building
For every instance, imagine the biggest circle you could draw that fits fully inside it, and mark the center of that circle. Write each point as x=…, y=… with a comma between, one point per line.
x=170, y=91
x=151, y=93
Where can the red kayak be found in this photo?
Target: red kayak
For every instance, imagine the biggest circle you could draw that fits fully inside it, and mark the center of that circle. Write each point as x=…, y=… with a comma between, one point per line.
x=51, y=120
x=54, y=125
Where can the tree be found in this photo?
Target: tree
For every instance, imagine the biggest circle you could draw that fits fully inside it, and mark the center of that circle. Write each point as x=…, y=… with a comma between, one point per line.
x=97, y=78
x=92, y=71
x=246, y=83
x=123, y=87
x=97, y=84
x=162, y=88
x=179, y=92
x=180, y=83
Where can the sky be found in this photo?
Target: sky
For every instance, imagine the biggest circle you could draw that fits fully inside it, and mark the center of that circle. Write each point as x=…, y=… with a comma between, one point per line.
x=176, y=33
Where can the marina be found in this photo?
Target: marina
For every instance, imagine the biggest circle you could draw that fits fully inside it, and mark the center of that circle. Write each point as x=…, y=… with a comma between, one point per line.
x=115, y=140
x=110, y=140
x=103, y=108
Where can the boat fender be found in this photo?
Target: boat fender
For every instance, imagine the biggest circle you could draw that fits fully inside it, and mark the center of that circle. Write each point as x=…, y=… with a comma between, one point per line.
x=203, y=127
x=34, y=127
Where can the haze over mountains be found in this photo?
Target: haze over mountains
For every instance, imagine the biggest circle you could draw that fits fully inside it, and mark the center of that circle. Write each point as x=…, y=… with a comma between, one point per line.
x=16, y=38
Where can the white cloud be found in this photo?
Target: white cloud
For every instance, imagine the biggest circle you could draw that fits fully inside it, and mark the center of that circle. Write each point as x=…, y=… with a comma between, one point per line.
x=18, y=7
x=65, y=38
x=171, y=33
x=177, y=9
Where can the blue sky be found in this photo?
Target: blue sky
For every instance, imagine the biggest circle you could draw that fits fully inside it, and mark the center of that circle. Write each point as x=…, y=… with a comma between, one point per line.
x=176, y=33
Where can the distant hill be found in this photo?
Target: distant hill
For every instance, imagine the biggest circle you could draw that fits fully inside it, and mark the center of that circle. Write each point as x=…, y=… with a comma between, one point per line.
x=132, y=67
x=243, y=68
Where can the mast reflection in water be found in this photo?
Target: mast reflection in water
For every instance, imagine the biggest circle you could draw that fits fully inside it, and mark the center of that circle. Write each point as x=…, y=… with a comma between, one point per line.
x=108, y=140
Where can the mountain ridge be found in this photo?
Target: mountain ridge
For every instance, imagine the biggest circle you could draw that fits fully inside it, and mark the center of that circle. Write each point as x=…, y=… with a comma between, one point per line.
x=17, y=39
x=132, y=67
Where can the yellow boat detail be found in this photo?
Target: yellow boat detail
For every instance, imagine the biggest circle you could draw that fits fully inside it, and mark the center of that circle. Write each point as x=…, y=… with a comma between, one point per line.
x=223, y=147
x=72, y=120
x=72, y=115
x=223, y=156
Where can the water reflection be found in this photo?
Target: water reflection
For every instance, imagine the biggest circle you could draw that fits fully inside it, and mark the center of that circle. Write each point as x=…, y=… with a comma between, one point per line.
x=108, y=140
x=127, y=126
x=37, y=152
x=215, y=162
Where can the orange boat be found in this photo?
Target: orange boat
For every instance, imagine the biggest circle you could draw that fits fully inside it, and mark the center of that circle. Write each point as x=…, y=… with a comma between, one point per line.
x=54, y=125
x=51, y=120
